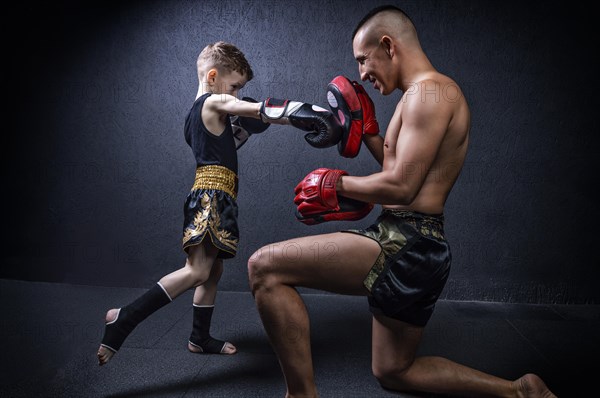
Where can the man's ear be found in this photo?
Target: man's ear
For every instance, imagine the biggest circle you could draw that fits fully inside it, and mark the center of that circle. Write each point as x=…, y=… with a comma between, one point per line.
x=388, y=45
x=211, y=75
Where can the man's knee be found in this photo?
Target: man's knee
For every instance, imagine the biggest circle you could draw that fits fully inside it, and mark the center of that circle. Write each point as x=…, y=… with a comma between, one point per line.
x=260, y=268
x=391, y=375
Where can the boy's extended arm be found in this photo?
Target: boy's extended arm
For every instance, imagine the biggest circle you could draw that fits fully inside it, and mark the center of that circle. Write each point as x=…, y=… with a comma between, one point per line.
x=225, y=103
x=324, y=129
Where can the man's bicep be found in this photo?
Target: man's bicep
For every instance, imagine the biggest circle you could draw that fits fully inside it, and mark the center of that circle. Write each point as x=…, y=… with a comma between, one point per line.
x=423, y=128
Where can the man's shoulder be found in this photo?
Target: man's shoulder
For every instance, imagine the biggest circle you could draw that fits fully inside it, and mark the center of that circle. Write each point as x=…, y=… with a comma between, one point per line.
x=432, y=87
x=437, y=80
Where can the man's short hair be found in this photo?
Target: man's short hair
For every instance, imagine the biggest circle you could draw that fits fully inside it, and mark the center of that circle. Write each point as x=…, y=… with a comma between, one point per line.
x=223, y=55
x=376, y=11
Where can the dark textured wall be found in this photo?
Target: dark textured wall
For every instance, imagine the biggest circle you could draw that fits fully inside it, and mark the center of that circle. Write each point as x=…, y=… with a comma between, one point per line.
x=95, y=167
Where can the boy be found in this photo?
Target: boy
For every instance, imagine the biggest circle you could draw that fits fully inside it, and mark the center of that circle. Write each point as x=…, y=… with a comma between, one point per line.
x=211, y=209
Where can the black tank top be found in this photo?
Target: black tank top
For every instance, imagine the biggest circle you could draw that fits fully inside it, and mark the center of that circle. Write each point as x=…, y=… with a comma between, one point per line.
x=209, y=149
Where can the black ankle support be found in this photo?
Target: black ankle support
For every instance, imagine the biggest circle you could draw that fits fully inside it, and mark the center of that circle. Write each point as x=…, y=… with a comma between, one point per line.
x=131, y=315
x=200, y=336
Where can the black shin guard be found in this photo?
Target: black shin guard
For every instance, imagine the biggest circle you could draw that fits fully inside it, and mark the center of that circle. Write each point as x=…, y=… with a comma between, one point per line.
x=131, y=315
x=200, y=336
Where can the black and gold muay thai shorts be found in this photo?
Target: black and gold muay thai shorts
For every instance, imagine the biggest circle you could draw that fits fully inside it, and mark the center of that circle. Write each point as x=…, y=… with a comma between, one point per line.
x=408, y=277
x=211, y=209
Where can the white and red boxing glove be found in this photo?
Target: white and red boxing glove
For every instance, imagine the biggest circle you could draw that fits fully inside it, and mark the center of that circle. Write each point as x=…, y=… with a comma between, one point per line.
x=318, y=202
x=325, y=130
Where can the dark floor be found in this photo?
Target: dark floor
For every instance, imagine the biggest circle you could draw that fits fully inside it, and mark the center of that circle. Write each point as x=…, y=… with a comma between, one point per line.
x=50, y=333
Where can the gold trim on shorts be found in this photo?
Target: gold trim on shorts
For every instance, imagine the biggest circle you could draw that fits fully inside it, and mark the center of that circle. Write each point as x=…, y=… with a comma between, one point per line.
x=216, y=177
x=376, y=269
x=392, y=240
x=208, y=220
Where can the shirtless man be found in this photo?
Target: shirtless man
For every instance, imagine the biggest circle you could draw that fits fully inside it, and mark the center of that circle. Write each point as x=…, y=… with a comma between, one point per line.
x=400, y=263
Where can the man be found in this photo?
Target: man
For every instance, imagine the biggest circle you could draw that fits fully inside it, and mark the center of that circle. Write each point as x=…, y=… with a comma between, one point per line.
x=402, y=261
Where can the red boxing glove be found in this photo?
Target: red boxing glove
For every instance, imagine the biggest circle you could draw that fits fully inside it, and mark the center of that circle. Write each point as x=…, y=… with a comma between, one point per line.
x=351, y=105
x=318, y=202
x=370, y=125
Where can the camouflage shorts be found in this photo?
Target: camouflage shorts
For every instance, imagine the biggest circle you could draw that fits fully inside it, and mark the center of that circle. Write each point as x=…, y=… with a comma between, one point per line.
x=411, y=271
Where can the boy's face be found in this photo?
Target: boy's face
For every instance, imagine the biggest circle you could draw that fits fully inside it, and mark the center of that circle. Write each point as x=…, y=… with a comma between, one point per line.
x=229, y=83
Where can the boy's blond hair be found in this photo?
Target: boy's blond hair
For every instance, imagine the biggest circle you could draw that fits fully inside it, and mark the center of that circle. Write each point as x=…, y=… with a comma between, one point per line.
x=224, y=57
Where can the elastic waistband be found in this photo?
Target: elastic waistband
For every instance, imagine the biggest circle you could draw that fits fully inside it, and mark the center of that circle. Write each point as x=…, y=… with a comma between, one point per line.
x=216, y=177
x=426, y=224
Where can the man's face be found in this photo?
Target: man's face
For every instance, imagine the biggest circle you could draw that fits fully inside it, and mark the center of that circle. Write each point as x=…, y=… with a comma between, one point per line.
x=373, y=62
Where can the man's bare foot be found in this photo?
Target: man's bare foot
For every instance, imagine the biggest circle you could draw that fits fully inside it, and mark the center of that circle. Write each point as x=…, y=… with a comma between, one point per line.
x=531, y=386
x=105, y=354
x=228, y=349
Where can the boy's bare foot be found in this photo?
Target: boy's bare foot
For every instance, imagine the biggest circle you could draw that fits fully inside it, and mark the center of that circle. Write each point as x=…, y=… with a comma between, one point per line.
x=104, y=353
x=531, y=386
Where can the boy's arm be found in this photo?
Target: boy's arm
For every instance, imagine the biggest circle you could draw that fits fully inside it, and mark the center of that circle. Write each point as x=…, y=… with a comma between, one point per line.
x=225, y=103
x=324, y=129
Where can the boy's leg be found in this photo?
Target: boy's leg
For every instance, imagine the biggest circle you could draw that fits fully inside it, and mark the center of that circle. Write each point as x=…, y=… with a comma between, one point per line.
x=120, y=322
x=196, y=270
x=203, y=306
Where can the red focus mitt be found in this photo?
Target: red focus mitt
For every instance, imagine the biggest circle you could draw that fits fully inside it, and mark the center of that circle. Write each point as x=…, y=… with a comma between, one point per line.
x=353, y=107
x=318, y=202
